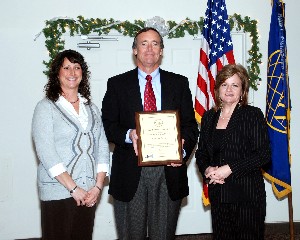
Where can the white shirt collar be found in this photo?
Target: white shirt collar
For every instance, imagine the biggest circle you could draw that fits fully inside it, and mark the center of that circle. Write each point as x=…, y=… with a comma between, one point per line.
x=82, y=116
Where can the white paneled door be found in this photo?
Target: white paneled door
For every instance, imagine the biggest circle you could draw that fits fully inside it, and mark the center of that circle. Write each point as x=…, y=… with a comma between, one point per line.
x=181, y=56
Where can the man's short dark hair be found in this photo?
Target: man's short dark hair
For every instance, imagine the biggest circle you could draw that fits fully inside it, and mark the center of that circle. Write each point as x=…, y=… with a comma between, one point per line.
x=134, y=44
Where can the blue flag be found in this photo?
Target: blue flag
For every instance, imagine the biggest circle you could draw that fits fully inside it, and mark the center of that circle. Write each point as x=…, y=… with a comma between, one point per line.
x=278, y=104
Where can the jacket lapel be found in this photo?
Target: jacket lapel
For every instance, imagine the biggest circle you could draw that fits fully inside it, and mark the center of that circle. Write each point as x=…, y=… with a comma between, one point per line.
x=212, y=128
x=232, y=124
x=167, y=92
x=132, y=89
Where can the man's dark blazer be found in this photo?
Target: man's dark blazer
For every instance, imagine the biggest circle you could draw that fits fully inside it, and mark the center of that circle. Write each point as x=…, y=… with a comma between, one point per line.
x=121, y=101
x=245, y=148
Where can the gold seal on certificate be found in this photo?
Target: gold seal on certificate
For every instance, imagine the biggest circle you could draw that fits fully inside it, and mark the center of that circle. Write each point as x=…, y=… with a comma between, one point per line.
x=159, y=141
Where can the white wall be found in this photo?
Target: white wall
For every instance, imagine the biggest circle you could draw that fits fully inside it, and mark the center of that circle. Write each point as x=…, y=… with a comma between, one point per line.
x=22, y=84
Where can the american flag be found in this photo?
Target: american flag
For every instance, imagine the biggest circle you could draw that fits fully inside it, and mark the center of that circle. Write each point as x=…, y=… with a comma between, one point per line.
x=215, y=52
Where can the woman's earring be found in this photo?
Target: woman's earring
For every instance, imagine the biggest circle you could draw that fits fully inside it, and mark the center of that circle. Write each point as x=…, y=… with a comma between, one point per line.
x=221, y=103
x=241, y=99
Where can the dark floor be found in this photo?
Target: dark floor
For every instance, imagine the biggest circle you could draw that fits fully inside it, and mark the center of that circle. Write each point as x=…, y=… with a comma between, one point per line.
x=274, y=231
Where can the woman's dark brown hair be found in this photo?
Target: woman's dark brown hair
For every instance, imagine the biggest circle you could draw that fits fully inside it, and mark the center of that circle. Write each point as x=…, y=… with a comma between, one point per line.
x=53, y=89
x=226, y=72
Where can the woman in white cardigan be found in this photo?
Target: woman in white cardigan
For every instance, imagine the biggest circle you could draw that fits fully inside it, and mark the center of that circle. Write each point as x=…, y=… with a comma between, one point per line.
x=72, y=149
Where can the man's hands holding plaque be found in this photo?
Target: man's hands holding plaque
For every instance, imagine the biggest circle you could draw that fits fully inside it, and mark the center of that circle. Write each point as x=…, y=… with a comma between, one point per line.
x=134, y=138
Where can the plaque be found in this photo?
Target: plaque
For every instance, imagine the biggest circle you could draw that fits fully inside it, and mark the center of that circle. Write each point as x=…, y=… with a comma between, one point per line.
x=159, y=140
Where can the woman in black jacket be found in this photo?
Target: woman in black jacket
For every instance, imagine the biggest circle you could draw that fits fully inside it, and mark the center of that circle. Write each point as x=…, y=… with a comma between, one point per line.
x=233, y=146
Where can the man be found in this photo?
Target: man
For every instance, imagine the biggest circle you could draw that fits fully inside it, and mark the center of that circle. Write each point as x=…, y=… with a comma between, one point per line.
x=146, y=198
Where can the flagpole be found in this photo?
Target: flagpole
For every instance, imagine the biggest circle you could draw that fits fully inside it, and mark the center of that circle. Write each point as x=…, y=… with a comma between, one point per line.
x=291, y=221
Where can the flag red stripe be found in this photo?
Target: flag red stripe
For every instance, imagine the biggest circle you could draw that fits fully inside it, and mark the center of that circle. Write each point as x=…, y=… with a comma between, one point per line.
x=212, y=85
x=204, y=59
x=199, y=108
x=230, y=57
x=202, y=85
x=205, y=190
x=219, y=64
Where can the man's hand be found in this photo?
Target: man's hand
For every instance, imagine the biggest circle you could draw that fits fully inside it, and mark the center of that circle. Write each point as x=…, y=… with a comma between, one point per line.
x=134, y=137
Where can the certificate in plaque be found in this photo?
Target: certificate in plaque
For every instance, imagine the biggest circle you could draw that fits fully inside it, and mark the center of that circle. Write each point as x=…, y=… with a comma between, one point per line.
x=159, y=141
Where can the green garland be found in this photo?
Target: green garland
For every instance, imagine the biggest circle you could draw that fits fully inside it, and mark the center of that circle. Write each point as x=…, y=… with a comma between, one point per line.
x=55, y=28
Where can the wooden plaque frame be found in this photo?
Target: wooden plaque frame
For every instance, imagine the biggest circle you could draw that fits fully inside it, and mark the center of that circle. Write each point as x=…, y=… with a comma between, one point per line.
x=159, y=140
